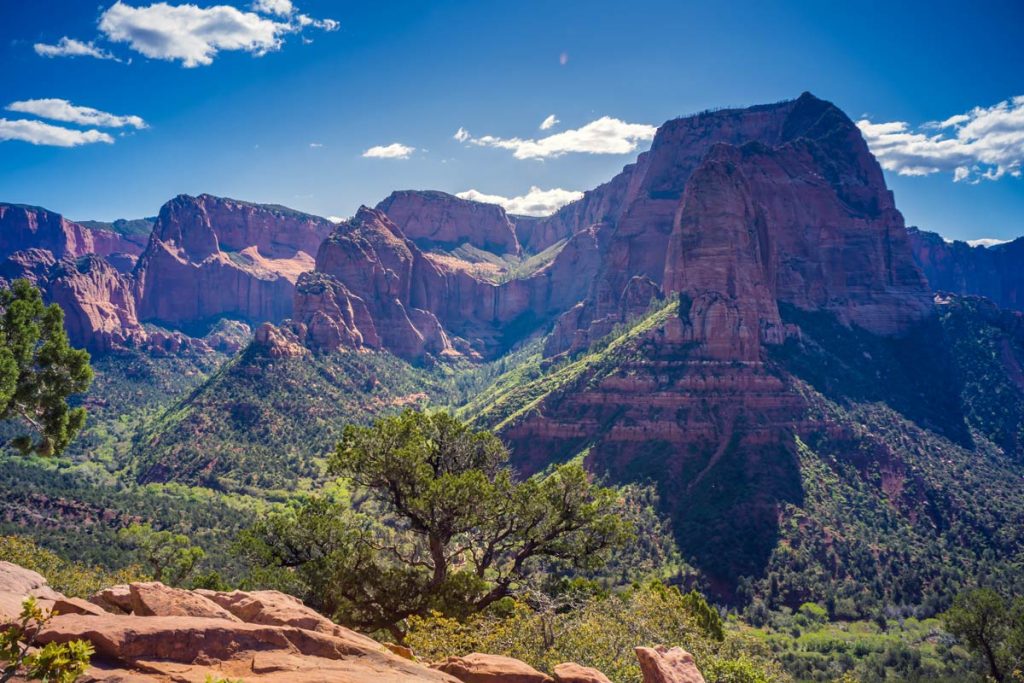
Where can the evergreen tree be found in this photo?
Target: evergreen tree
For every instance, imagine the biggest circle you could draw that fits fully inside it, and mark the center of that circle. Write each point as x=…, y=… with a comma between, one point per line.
x=39, y=370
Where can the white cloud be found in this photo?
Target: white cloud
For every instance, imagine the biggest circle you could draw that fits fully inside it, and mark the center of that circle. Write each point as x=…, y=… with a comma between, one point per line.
x=984, y=143
x=536, y=202
x=395, y=150
x=549, y=122
x=315, y=145
x=194, y=35
x=69, y=47
x=335, y=219
x=282, y=8
x=39, y=133
x=606, y=135
x=462, y=134
x=986, y=242
x=62, y=110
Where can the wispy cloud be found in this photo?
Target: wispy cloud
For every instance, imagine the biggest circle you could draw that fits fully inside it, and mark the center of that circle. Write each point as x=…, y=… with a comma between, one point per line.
x=462, y=134
x=69, y=47
x=62, y=110
x=195, y=35
x=985, y=143
x=39, y=133
x=315, y=145
x=395, y=150
x=536, y=202
x=282, y=8
x=549, y=122
x=606, y=135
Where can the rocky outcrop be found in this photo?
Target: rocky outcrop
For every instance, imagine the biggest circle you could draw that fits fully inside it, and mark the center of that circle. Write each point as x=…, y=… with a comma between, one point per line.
x=574, y=673
x=154, y=599
x=377, y=274
x=167, y=634
x=18, y=583
x=995, y=272
x=24, y=227
x=794, y=186
x=98, y=303
x=668, y=665
x=210, y=258
x=436, y=219
x=483, y=668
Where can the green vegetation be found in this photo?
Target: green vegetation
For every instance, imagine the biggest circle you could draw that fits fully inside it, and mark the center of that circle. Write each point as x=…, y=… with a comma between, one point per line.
x=39, y=371
x=170, y=557
x=525, y=386
x=450, y=529
x=129, y=227
x=262, y=425
x=600, y=630
x=993, y=629
x=53, y=663
x=816, y=650
x=70, y=578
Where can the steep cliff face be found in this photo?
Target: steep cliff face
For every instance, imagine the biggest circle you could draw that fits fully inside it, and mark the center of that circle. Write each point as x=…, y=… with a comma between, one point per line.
x=795, y=183
x=25, y=227
x=210, y=258
x=98, y=303
x=746, y=221
x=66, y=261
x=996, y=272
x=437, y=219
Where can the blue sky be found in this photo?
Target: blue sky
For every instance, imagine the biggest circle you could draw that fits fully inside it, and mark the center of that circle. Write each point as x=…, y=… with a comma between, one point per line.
x=292, y=126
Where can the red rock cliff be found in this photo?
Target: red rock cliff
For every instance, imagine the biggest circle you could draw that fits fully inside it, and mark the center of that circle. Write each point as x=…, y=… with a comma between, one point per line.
x=210, y=258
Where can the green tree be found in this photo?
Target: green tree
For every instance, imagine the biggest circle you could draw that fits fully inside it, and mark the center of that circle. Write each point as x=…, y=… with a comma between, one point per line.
x=169, y=556
x=39, y=370
x=992, y=628
x=54, y=662
x=459, y=532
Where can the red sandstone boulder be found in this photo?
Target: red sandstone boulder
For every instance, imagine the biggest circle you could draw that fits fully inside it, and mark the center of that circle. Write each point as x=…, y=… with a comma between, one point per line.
x=483, y=668
x=116, y=599
x=574, y=673
x=17, y=584
x=664, y=665
x=65, y=605
x=154, y=599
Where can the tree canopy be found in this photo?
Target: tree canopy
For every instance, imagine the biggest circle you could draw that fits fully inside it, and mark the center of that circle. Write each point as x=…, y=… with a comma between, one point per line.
x=39, y=370
x=443, y=524
x=992, y=627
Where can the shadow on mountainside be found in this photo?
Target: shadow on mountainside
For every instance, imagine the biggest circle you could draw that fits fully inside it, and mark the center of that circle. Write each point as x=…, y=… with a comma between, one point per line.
x=728, y=525
x=915, y=374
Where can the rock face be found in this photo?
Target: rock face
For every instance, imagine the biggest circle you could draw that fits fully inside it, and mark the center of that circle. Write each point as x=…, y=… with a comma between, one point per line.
x=996, y=272
x=664, y=665
x=794, y=187
x=151, y=632
x=482, y=668
x=23, y=227
x=574, y=673
x=438, y=219
x=210, y=258
x=98, y=303
x=170, y=634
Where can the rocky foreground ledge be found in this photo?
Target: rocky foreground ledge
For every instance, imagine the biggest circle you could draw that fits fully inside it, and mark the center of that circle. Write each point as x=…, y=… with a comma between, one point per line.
x=152, y=632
